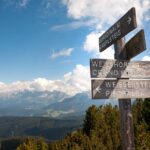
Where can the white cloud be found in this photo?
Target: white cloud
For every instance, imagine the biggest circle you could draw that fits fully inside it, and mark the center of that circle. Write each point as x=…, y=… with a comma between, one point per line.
x=104, y=14
x=104, y=11
x=78, y=79
x=107, y=54
x=23, y=3
x=16, y=3
x=91, y=42
x=91, y=45
x=2, y=85
x=64, y=52
x=73, y=82
x=47, y=4
x=74, y=25
x=147, y=18
x=146, y=58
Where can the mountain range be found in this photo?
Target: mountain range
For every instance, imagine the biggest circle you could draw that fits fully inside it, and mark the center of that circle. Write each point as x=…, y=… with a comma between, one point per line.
x=48, y=104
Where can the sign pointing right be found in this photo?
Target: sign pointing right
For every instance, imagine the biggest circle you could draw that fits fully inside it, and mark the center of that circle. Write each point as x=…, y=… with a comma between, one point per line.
x=129, y=20
x=122, y=27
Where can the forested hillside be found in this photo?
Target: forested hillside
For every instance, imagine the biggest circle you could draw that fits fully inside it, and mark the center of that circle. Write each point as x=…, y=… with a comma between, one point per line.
x=49, y=128
x=100, y=131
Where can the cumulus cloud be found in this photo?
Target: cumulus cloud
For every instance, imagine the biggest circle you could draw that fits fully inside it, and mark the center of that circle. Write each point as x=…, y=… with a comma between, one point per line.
x=2, y=85
x=91, y=45
x=103, y=14
x=146, y=58
x=107, y=54
x=64, y=52
x=91, y=42
x=78, y=79
x=103, y=11
x=73, y=82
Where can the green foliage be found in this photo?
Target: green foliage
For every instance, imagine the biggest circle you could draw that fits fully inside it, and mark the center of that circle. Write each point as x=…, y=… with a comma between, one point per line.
x=33, y=144
x=11, y=143
x=102, y=124
x=146, y=111
x=142, y=137
x=52, y=129
x=141, y=128
x=91, y=120
x=101, y=131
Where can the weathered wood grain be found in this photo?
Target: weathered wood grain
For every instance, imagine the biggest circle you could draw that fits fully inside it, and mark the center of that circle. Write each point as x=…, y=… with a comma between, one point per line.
x=136, y=45
x=121, y=88
x=126, y=117
x=106, y=68
x=122, y=27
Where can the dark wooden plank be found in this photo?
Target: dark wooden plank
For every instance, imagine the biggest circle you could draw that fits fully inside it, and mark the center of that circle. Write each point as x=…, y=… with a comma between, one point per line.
x=136, y=45
x=126, y=117
x=106, y=68
x=122, y=88
x=122, y=27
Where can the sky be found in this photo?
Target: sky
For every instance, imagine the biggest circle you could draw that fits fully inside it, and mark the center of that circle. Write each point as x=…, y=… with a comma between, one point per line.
x=47, y=44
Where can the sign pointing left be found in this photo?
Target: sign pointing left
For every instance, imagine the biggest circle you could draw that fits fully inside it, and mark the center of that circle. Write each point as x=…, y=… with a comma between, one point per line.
x=122, y=88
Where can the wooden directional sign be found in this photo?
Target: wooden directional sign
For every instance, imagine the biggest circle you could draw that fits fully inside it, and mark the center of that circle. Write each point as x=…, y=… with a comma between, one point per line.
x=122, y=27
x=122, y=88
x=106, y=68
x=136, y=45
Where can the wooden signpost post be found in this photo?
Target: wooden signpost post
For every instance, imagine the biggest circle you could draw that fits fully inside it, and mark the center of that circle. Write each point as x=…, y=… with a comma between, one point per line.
x=127, y=79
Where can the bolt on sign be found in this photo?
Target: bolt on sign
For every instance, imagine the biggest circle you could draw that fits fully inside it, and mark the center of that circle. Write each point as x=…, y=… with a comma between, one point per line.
x=122, y=88
x=106, y=68
x=122, y=27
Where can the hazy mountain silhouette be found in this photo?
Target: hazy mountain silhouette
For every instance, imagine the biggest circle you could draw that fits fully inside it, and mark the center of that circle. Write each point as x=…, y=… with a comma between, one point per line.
x=48, y=104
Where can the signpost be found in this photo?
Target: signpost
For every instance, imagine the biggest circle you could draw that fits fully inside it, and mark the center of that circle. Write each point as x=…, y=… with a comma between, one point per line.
x=123, y=87
x=126, y=118
x=136, y=45
x=122, y=27
x=106, y=68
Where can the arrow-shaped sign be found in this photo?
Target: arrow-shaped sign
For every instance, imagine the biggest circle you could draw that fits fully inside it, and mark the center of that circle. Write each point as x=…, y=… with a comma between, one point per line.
x=121, y=88
x=122, y=27
x=136, y=45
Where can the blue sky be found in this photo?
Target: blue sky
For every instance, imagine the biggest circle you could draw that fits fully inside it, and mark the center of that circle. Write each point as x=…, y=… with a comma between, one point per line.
x=52, y=39
x=27, y=42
